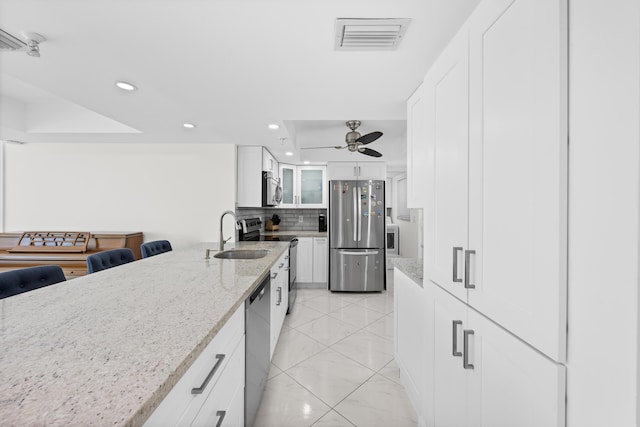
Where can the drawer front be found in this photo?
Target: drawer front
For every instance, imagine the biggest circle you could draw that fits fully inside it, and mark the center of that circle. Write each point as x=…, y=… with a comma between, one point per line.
x=181, y=404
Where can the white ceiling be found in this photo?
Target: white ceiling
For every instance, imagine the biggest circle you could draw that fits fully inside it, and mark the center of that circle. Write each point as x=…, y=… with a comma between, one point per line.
x=229, y=66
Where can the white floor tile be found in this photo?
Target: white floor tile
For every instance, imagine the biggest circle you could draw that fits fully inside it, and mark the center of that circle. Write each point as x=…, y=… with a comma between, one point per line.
x=379, y=302
x=300, y=315
x=391, y=371
x=332, y=419
x=293, y=347
x=328, y=330
x=382, y=327
x=367, y=348
x=330, y=375
x=378, y=402
x=273, y=371
x=356, y=315
x=287, y=403
x=326, y=303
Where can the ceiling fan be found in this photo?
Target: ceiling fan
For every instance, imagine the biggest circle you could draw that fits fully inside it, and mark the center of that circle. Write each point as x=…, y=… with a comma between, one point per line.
x=355, y=141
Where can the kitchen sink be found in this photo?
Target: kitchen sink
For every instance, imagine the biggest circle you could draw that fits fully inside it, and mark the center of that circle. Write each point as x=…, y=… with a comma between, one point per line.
x=242, y=254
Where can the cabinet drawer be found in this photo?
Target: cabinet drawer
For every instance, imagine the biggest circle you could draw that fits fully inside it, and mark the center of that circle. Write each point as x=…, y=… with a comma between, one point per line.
x=181, y=404
x=225, y=404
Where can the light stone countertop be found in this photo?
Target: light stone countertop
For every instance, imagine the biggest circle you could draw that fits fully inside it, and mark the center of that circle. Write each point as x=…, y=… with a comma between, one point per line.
x=305, y=233
x=106, y=348
x=412, y=267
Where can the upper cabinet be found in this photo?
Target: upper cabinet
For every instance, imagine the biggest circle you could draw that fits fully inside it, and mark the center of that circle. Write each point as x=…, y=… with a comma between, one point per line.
x=249, y=176
x=303, y=186
x=269, y=163
x=420, y=115
x=496, y=162
x=356, y=170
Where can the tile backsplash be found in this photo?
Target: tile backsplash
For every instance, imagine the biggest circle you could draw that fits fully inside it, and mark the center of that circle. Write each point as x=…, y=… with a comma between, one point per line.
x=289, y=218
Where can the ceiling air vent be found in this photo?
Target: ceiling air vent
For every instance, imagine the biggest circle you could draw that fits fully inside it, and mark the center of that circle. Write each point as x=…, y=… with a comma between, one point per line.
x=370, y=34
x=9, y=42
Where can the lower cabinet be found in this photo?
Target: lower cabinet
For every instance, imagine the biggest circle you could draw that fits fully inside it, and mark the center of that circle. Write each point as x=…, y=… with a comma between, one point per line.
x=313, y=254
x=461, y=369
x=279, y=297
x=211, y=392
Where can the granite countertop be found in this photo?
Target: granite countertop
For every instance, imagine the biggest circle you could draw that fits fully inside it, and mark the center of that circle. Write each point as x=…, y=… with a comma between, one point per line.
x=106, y=348
x=412, y=267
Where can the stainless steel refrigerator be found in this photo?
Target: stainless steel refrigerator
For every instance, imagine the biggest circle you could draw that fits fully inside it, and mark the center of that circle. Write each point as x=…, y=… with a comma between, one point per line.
x=357, y=236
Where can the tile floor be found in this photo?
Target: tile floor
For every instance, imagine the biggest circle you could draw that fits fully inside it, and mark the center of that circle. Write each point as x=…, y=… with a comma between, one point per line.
x=333, y=365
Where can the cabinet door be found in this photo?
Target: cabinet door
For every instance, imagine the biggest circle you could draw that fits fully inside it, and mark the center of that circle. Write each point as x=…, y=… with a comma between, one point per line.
x=512, y=384
x=342, y=171
x=289, y=185
x=410, y=334
x=372, y=170
x=320, y=257
x=446, y=88
x=249, y=176
x=419, y=109
x=518, y=168
x=312, y=187
x=451, y=394
x=304, y=274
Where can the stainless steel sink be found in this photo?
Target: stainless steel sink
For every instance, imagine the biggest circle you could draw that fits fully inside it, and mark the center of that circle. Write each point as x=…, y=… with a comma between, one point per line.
x=242, y=254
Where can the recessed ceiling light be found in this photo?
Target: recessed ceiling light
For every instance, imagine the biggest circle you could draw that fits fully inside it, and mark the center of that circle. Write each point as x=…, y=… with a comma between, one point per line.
x=126, y=86
x=189, y=125
x=288, y=153
x=306, y=162
x=274, y=126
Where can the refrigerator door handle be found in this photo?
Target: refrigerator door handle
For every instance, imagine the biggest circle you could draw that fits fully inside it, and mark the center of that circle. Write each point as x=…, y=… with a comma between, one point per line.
x=359, y=201
x=359, y=253
x=355, y=215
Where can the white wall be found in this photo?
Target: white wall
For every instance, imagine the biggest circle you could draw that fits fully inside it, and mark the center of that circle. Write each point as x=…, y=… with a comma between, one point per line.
x=410, y=231
x=604, y=200
x=168, y=191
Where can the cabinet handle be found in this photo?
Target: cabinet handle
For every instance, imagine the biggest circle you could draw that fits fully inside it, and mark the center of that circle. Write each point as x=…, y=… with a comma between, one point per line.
x=456, y=279
x=359, y=171
x=274, y=275
x=455, y=351
x=465, y=349
x=281, y=265
x=467, y=262
x=199, y=390
x=220, y=414
x=279, y=290
x=354, y=171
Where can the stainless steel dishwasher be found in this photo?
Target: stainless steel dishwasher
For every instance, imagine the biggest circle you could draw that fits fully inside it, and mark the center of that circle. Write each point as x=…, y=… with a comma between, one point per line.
x=257, y=363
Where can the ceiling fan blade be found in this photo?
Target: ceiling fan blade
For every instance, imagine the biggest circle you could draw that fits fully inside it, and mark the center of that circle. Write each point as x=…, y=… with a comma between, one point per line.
x=369, y=152
x=370, y=137
x=331, y=146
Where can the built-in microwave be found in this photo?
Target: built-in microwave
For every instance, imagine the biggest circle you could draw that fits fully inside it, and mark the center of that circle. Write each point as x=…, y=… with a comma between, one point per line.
x=271, y=190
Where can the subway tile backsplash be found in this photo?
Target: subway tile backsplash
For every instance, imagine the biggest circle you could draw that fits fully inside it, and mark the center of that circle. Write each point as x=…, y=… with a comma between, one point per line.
x=289, y=218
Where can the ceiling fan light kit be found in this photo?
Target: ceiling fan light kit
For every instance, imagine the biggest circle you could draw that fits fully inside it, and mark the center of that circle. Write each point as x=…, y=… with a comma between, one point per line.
x=355, y=141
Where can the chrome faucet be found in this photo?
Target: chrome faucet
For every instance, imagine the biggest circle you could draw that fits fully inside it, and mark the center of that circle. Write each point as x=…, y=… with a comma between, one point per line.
x=222, y=241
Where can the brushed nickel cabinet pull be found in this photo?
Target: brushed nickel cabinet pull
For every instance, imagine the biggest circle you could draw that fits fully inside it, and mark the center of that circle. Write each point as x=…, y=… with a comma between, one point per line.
x=220, y=414
x=455, y=351
x=465, y=349
x=199, y=390
x=467, y=268
x=456, y=279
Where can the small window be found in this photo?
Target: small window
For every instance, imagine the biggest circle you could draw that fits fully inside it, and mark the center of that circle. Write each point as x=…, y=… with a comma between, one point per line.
x=403, y=211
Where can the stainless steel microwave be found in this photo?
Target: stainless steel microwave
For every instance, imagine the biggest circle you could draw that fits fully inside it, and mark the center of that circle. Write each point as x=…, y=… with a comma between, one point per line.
x=271, y=190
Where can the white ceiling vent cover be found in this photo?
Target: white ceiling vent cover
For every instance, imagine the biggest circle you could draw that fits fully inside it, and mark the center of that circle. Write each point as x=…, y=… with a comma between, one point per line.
x=370, y=34
x=9, y=42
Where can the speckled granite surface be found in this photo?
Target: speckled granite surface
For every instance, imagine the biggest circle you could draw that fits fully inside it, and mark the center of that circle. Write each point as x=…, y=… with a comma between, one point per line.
x=296, y=233
x=412, y=267
x=106, y=348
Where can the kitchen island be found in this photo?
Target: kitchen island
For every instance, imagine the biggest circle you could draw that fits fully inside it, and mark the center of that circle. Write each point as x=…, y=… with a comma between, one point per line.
x=106, y=348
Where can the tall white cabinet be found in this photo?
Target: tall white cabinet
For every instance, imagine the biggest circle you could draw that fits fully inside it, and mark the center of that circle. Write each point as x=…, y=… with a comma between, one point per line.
x=490, y=122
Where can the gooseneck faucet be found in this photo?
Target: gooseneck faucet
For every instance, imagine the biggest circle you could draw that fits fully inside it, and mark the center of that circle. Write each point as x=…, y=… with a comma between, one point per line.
x=222, y=241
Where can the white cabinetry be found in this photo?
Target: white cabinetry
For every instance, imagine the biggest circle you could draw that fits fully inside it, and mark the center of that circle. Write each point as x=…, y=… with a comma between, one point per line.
x=485, y=376
x=303, y=186
x=251, y=161
x=419, y=116
x=412, y=326
x=356, y=170
x=279, y=297
x=507, y=258
x=320, y=259
x=212, y=389
x=312, y=255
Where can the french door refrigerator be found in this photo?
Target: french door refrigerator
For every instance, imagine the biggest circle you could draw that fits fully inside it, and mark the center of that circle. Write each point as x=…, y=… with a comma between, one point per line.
x=357, y=236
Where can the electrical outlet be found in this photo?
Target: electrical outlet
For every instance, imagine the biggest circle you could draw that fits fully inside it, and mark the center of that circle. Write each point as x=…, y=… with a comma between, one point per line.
x=300, y=218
